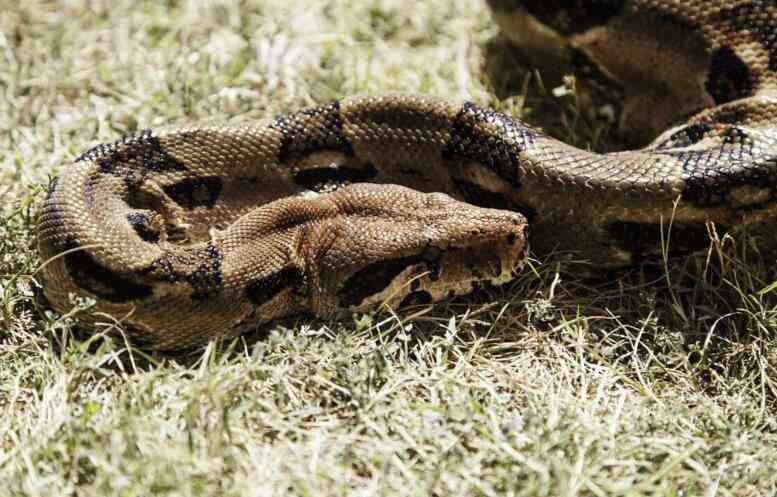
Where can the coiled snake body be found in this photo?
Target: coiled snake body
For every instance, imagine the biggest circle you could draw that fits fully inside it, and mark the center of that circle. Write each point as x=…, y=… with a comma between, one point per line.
x=202, y=231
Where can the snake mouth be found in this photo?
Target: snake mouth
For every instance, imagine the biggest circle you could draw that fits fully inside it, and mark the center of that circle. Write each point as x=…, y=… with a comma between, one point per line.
x=435, y=273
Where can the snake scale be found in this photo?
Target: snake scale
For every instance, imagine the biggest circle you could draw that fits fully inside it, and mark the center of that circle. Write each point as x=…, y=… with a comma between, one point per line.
x=200, y=231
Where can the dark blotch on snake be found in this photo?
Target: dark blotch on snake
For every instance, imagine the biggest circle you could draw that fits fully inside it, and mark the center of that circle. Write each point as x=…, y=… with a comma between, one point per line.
x=141, y=150
x=195, y=192
x=140, y=224
x=711, y=175
x=489, y=138
x=755, y=18
x=689, y=135
x=101, y=281
x=262, y=290
x=317, y=178
x=729, y=77
x=205, y=279
x=312, y=130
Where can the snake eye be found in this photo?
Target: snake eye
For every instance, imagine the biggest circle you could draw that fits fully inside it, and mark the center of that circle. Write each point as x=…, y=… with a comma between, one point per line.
x=430, y=254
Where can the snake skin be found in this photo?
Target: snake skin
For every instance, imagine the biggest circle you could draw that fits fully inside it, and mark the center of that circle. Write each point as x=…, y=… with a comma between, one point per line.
x=192, y=233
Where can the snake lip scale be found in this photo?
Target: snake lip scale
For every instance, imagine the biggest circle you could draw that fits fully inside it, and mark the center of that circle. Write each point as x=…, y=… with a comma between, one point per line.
x=199, y=231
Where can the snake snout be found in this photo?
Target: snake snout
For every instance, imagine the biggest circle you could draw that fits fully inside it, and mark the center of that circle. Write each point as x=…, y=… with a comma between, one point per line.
x=412, y=247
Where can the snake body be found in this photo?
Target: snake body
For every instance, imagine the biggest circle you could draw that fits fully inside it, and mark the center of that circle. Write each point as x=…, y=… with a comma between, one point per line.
x=194, y=232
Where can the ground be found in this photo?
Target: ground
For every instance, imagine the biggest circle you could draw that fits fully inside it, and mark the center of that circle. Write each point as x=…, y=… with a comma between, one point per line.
x=654, y=381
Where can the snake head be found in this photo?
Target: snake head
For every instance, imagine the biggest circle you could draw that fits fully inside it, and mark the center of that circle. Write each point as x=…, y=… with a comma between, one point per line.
x=393, y=245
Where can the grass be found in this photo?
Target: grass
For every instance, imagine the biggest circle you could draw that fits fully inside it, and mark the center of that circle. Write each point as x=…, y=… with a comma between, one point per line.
x=652, y=382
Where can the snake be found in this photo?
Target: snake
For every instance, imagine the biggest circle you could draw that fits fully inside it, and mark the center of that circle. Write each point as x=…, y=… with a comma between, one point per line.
x=200, y=231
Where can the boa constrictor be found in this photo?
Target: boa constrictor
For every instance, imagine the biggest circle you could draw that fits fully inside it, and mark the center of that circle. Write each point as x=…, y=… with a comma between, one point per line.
x=195, y=232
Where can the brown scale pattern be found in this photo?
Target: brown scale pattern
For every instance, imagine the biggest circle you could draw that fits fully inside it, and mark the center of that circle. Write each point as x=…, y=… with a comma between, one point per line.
x=191, y=233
